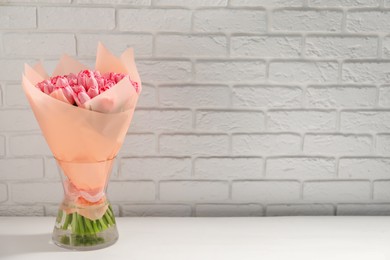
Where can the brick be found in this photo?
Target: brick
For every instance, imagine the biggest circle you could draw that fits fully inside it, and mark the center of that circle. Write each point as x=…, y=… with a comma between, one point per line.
x=39, y=44
x=194, y=96
x=51, y=64
x=191, y=45
x=37, y=192
x=83, y=18
x=306, y=20
x=363, y=210
x=229, y=210
x=265, y=144
x=364, y=168
x=233, y=20
x=341, y=96
x=352, y=47
x=336, y=191
x=366, y=72
x=265, y=191
x=148, y=97
x=155, y=168
x=158, y=20
x=51, y=210
x=12, y=69
x=365, y=121
x=156, y=210
x=52, y=171
x=2, y=95
x=2, y=146
x=116, y=210
x=131, y=191
x=3, y=192
x=194, y=191
x=164, y=71
x=382, y=190
x=267, y=96
x=116, y=43
x=17, y=120
x=28, y=145
x=18, y=17
x=161, y=120
x=337, y=144
x=342, y=3
x=192, y=144
x=117, y=2
x=383, y=144
x=190, y=3
x=228, y=168
x=15, y=97
x=386, y=47
x=228, y=70
x=22, y=211
x=21, y=168
x=230, y=121
x=266, y=3
x=301, y=210
x=301, y=120
x=265, y=46
x=301, y=168
x=138, y=144
x=368, y=21
x=303, y=71
x=384, y=96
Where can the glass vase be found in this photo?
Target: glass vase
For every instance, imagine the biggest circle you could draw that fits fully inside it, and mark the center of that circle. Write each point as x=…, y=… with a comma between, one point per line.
x=85, y=219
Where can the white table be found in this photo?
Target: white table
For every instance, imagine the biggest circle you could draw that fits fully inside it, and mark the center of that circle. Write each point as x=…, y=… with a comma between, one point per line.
x=279, y=238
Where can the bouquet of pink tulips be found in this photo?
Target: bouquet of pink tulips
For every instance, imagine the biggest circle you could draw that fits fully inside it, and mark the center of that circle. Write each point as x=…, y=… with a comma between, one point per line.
x=84, y=116
x=81, y=88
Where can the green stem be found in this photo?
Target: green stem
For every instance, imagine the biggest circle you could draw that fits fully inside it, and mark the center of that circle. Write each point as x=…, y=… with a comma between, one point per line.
x=95, y=227
x=68, y=218
x=103, y=224
x=74, y=223
x=108, y=218
x=88, y=225
x=81, y=224
x=111, y=214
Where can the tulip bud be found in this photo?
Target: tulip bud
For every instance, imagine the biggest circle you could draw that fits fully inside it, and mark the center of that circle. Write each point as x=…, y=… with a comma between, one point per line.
x=91, y=82
x=62, y=82
x=83, y=97
x=93, y=92
x=68, y=94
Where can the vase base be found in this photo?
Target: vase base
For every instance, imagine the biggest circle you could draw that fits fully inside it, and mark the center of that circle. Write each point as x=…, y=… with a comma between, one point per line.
x=66, y=239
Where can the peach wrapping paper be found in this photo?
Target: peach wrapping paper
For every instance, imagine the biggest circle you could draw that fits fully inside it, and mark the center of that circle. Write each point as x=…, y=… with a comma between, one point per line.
x=83, y=135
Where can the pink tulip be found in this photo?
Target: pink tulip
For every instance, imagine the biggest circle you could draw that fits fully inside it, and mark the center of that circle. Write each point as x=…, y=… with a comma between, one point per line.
x=72, y=79
x=68, y=94
x=48, y=88
x=84, y=86
x=82, y=77
x=93, y=91
x=62, y=82
x=83, y=97
x=78, y=88
x=106, y=87
x=45, y=85
x=91, y=82
x=135, y=85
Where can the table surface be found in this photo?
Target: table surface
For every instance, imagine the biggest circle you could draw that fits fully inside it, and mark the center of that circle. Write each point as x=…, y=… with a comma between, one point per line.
x=211, y=238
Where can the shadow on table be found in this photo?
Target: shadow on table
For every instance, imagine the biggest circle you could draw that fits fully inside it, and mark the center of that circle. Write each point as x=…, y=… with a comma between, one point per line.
x=24, y=244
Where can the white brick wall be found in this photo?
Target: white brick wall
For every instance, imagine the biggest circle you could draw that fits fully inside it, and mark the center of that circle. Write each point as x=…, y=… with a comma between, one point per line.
x=249, y=107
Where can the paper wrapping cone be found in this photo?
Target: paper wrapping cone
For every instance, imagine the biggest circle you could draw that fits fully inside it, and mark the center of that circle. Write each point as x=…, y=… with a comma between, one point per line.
x=78, y=135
